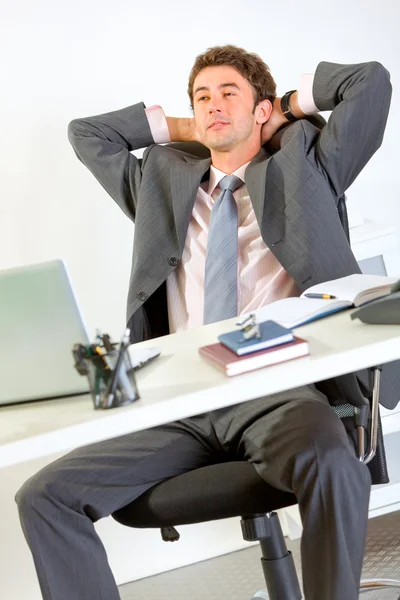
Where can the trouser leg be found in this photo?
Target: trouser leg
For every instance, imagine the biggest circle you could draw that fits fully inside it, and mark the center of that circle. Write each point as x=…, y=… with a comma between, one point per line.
x=60, y=504
x=298, y=444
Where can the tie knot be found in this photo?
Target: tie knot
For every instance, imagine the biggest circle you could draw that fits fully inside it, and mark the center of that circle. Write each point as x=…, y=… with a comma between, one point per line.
x=230, y=182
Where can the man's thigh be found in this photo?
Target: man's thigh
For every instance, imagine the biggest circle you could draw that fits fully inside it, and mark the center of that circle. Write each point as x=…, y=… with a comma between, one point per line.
x=275, y=431
x=100, y=478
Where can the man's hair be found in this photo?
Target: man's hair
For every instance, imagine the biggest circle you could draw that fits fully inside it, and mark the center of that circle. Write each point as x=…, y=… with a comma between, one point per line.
x=249, y=65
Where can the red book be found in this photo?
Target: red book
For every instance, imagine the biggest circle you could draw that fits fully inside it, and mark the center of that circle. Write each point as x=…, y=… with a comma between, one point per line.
x=232, y=364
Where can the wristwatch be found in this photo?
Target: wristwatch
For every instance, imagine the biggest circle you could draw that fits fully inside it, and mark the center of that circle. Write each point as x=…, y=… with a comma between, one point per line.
x=285, y=106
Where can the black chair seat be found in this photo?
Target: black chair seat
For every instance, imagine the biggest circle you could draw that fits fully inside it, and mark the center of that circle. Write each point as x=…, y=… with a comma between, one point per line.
x=214, y=492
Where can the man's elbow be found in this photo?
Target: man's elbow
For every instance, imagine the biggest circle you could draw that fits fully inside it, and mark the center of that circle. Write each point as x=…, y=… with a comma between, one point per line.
x=381, y=80
x=78, y=130
x=75, y=131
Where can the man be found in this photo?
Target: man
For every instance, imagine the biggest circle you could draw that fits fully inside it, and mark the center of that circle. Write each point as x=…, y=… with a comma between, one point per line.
x=282, y=201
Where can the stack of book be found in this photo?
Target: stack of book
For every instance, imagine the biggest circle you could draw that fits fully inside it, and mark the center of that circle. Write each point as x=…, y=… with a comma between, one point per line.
x=276, y=344
x=235, y=355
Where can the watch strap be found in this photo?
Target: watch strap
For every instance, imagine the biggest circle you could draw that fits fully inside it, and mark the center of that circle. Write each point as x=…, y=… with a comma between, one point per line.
x=285, y=106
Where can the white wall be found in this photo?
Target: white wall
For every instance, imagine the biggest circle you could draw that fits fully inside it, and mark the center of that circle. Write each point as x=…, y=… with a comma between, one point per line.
x=64, y=60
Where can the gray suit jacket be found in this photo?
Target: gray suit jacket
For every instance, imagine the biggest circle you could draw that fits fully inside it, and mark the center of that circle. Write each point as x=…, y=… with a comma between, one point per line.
x=294, y=184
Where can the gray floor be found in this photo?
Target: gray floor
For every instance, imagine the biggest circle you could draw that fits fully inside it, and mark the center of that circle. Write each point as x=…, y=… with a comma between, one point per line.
x=237, y=576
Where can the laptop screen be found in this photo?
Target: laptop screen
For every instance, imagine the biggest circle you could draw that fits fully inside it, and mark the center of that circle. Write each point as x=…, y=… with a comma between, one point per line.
x=40, y=321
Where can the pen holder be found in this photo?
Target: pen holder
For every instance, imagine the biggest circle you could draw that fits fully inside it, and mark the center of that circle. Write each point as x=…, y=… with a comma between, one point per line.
x=99, y=370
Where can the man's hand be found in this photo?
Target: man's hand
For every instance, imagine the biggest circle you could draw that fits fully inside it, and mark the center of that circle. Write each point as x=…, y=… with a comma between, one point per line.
x=277, y=118
x=182, y=129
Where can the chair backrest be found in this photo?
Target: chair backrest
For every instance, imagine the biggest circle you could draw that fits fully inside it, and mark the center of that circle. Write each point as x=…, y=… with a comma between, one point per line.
x=342, y=212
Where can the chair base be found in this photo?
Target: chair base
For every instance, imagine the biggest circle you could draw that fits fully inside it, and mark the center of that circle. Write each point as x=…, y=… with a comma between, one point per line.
x=366, y=585
x=377, y=584
x=278, y=565
x=276, y=561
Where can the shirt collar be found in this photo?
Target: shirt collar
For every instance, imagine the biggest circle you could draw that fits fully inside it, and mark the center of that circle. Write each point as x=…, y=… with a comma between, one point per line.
x=216, y=175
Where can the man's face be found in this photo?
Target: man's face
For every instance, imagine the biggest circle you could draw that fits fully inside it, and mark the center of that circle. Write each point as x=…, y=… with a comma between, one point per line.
x=223, y=103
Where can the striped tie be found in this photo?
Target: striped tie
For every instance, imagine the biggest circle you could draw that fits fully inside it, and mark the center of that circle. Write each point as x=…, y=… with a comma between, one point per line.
x=220, y=281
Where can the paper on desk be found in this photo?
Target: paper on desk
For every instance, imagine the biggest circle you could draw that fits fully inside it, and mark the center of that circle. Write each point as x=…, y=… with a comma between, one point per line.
x=142, y=356
x=357, y=288
x=292, y=312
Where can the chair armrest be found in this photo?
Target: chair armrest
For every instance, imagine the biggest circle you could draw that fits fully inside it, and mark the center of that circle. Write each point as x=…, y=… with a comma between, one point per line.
x=376, y=371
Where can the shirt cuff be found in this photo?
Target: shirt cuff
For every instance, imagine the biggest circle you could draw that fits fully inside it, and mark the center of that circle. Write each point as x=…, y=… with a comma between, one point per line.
x=158, y=124
x=305, y=96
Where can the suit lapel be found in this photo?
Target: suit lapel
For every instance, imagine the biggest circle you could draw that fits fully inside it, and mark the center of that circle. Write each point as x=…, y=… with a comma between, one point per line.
x=265, y=187
x=186, y=176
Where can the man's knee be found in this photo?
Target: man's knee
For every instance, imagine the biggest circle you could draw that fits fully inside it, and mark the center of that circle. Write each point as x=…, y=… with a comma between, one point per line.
x=328, y=450
x=36, y=490
x=322, y=429
x=339, y=456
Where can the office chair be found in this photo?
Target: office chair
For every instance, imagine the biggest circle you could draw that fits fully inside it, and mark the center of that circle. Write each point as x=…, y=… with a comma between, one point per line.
x=198, y=496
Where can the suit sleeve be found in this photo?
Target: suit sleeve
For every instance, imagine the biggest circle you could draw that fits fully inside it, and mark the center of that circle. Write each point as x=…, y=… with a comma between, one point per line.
x=359, y=98
x=104, y=143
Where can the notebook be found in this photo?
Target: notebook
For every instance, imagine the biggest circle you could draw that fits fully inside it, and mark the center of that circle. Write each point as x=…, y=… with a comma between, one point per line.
x=271, y=334
x=356, y=289
x=231, y=364
x=352, y=290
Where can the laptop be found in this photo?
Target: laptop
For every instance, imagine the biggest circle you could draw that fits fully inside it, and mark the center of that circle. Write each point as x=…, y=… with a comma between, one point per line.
x=40, y=321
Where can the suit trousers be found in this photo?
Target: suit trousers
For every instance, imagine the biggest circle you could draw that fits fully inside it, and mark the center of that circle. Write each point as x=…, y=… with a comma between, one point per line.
x=295, y=441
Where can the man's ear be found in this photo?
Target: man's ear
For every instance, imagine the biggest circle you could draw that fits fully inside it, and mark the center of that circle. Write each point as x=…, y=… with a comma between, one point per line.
x=263, y=111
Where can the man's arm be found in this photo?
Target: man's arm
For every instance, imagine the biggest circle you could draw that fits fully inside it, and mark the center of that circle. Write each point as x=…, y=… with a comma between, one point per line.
x=359, y=98
x=181, y=129
x=103, y=144
x=277, y=118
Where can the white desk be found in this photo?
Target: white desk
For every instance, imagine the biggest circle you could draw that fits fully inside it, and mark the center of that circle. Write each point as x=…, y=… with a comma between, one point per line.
x=180, y=384
x=176, y=385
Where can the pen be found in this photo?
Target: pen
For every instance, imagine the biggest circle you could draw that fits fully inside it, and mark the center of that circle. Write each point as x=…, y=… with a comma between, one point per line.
x=322, y=296
x=108, y=400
